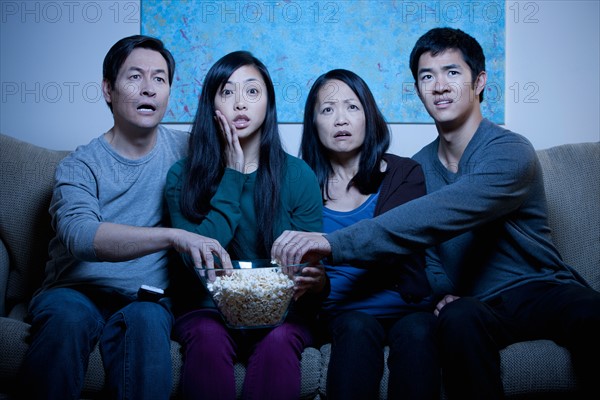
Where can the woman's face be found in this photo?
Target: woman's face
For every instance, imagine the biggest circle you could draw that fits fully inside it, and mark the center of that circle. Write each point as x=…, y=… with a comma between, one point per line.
x=339, y=118
x=243, y=101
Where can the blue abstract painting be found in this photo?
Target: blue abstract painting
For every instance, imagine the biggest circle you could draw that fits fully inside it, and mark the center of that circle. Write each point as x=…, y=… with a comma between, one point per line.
x=300, y=40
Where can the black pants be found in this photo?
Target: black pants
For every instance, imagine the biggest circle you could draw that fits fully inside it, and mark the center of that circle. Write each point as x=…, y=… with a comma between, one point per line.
x=471, y=333
x=357, y=359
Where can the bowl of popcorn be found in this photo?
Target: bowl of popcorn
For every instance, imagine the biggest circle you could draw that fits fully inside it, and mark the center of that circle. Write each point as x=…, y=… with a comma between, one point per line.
x=254, y=294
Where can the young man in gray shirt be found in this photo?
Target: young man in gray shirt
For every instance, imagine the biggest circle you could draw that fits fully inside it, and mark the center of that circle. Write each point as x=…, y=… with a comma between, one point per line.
x=111, y=238
x=499, y=277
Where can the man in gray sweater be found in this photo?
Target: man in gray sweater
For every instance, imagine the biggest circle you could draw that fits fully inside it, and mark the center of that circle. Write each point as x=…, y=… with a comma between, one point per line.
x=490, y=259
x=111, y=239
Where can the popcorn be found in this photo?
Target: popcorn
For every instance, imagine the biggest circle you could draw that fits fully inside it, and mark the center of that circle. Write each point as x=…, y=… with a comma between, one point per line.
x=252, y=297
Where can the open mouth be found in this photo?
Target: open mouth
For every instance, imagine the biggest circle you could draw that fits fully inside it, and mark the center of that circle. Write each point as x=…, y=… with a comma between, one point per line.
x=146, y=108
x=342, y=134
x=241, y=121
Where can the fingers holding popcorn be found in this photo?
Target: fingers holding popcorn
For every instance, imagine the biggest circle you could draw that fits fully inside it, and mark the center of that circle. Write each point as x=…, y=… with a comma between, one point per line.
x=293, y=247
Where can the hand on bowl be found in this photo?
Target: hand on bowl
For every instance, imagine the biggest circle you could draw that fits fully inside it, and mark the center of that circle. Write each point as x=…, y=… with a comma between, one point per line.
x=219, y=269
x=311, y=278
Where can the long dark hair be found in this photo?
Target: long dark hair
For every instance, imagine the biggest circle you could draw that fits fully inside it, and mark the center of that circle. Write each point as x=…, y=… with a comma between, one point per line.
x=377, y=135
x=206, y=162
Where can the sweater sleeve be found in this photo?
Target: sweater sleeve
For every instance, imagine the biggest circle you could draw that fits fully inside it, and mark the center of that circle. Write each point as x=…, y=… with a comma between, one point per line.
x=305, y=198
x=436, y=274
x=488, y=189
x=224, y=215
x=75, y=208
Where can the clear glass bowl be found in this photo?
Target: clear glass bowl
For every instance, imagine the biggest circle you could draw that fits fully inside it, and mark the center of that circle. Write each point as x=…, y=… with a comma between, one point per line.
x=254, y=294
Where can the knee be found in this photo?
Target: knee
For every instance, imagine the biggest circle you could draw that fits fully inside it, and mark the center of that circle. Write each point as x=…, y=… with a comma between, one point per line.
x=65, y=310
x=460, y=312
x=416, y=327
x=290, y=335
x=462, y=321
x=355, y=323
x=585, y=316
x=149, y=315
x=201, y=327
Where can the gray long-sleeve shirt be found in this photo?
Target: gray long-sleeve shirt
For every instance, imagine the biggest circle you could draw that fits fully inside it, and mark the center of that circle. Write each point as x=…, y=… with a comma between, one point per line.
x=94, y=184
x=487, y=223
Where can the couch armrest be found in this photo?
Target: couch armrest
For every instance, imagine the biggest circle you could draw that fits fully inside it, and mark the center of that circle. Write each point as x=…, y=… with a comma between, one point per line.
x=13, y=346
x=4, y=269
x=572, y=183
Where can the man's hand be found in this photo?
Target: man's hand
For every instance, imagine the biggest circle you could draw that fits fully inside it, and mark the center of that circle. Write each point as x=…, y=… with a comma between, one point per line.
x=293, y=247
x=201, y=249
x=446, y=300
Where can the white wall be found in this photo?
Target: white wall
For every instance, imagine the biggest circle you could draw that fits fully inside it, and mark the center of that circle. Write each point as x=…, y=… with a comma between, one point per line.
x=51, y=55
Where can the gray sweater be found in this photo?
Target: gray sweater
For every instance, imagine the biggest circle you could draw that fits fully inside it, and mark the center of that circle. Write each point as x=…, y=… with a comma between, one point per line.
x=486, y=225
x=94, y=184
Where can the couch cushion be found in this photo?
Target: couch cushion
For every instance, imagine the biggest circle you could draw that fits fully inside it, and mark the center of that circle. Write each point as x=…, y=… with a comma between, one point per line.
x=571, y=177
x=26, y=181
x=4, y=270
x=537, y=366
x=13, y=346
x=311, y=373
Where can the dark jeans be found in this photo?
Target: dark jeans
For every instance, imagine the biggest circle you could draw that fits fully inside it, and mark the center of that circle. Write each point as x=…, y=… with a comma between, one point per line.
x=471, y=334
x=134, y=343
x=357, y=360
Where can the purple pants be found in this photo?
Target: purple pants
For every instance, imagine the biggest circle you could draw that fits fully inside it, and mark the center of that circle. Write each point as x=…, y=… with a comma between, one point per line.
x=211, y=350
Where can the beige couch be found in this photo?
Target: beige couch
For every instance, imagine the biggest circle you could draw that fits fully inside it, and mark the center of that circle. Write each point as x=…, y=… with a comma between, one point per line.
x=538, y=369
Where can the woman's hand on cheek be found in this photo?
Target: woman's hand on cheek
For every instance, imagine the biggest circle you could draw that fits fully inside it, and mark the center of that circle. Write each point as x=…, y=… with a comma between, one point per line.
x=234, y=152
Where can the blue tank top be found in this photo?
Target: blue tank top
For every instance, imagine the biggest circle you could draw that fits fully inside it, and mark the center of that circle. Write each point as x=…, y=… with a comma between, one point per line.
x=359, y=289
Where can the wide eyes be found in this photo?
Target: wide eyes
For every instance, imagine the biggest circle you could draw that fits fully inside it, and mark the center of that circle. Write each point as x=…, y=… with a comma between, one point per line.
x=251, y=92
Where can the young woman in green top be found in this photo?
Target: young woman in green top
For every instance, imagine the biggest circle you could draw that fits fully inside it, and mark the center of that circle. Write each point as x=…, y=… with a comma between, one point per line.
x=238, y=186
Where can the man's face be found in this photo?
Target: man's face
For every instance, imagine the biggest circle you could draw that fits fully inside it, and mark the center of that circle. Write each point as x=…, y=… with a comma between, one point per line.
x=446, y=87
x=140, y=94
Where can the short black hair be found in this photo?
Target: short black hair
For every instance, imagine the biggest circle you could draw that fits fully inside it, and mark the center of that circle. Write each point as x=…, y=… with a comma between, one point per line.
x=119, y=52
x=438, y=40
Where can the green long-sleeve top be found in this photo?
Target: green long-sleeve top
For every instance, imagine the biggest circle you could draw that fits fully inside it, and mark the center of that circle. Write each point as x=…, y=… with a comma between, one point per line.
x=232, y=220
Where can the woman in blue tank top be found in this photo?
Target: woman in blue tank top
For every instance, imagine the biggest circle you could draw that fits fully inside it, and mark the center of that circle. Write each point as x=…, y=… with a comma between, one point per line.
x=345, y=139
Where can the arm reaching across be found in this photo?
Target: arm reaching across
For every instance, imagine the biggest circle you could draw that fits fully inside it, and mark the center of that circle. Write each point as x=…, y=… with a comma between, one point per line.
x=293, y=247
